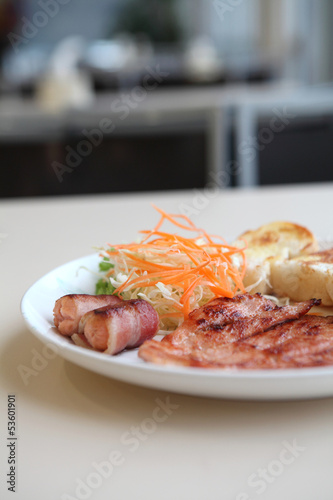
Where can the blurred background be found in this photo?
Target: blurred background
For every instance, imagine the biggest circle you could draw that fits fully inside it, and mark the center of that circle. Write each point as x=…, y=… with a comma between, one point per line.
x=110, y=96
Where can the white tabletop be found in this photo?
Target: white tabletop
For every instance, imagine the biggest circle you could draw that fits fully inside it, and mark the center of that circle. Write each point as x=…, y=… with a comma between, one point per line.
x=72, y=424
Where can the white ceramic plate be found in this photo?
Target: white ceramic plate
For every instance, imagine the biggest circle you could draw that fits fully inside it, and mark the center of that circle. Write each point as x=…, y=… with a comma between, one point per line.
x=73, y=277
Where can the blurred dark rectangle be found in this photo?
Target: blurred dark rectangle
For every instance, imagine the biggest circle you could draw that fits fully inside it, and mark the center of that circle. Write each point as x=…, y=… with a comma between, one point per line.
x=118, y=164
x=301, y=153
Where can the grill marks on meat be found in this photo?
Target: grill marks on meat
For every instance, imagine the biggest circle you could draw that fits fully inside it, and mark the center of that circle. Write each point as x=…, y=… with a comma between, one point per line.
x=248, y=332
x=211, y=318
x=203, y=336
x=263, y=335
x=223, y=310
x=303, y=343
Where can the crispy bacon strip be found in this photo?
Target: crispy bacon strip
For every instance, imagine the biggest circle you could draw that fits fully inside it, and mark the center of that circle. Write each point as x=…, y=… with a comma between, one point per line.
x=113, y=328
x=69, y=309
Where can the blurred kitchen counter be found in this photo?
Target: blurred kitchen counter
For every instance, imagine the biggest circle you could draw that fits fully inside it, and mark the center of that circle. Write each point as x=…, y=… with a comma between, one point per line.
x=211, y=110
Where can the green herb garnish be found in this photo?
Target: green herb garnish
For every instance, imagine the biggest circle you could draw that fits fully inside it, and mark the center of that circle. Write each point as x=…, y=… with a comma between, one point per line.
x=104, y=287
x=105, y=266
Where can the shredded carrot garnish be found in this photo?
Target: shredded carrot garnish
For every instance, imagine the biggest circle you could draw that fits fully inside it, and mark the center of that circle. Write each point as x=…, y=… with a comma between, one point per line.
x=185, y=270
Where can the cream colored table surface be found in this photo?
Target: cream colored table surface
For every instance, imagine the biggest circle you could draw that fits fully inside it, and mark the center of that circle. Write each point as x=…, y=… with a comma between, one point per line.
x=70, y=421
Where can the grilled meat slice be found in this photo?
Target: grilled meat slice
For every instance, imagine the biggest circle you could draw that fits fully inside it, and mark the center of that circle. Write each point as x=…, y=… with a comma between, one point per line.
x=308, y=326
x=303, y=342
x=209, y=340
x=218, y=313
x=223, y=310
x=205, y=334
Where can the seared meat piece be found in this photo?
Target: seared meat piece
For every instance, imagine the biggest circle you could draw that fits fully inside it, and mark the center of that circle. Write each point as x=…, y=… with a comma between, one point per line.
x=307, y=325
x=219, y=312
x=211, y=340
x=223, y=310
x=303, y=342
x=205, y=334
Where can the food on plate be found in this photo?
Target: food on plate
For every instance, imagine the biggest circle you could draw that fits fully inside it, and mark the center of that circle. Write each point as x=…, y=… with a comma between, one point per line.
x=105, y=322
x=174, y=273
x=263, y=336
x=69, y=309
x=80, y=340
x=306, y=326
x=204, y=291
x=123, y=325
x=305, y=276
x=301, y=343
x=270, y=242
x=224, y=311
x=216, y=313
x=149, y=285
